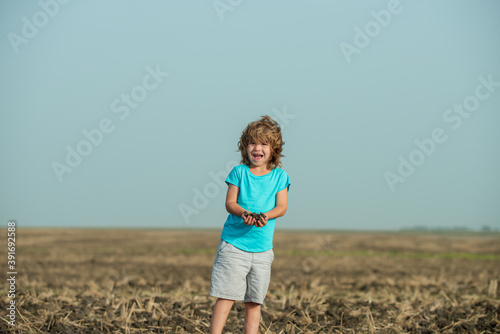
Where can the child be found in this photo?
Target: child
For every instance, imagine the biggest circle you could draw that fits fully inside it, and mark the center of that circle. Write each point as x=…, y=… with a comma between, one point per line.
x=242, y=266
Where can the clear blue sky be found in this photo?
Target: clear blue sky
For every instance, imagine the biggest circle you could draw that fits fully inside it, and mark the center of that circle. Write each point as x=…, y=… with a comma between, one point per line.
x=170, y=85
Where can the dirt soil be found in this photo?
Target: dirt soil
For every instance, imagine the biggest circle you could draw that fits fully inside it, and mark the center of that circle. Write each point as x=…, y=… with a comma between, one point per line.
x=157, y=281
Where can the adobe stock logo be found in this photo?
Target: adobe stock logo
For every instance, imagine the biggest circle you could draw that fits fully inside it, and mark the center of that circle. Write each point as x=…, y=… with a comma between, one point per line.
x=426, y=147
x=223, y=6
x=30, y=28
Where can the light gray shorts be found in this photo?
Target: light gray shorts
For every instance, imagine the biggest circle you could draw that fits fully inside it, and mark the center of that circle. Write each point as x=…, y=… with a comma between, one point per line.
x=241, y=275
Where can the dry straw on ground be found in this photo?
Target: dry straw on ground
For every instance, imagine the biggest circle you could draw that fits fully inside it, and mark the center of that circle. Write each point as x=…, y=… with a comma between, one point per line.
x=105, y=281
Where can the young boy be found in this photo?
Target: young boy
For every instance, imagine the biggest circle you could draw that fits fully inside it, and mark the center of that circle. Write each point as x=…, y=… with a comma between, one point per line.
x=242, y=266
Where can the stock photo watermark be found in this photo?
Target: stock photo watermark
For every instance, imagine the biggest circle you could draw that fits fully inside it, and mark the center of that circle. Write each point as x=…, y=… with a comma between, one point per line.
x=380, y=20
x=454, y=117
x=212, y=189
x=201, y=199
x=224, y=6
x=94, y=137
x=31, y=26
x=11, y=273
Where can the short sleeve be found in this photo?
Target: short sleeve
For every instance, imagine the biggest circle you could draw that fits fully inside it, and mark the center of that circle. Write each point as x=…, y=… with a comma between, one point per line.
x=284, y=182
x=234, y=178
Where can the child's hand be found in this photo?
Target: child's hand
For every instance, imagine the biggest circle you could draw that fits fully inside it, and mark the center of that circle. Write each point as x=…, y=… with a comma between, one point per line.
x=247, y=219
x=262, y=222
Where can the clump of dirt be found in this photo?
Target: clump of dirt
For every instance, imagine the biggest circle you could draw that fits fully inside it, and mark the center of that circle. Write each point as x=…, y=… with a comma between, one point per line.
x=257, y=216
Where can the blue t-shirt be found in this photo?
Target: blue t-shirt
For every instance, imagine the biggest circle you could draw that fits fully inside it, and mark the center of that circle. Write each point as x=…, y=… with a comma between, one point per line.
x=257, y=193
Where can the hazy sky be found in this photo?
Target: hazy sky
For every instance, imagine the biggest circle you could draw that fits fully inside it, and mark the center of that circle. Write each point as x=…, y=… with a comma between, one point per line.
x=128, y=113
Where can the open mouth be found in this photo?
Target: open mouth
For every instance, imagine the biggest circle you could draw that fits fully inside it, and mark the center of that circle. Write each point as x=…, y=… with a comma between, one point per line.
x=257, y=157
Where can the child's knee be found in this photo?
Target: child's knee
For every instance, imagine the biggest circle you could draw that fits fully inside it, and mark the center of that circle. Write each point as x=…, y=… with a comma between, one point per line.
x=224, y=301
x=252, y=305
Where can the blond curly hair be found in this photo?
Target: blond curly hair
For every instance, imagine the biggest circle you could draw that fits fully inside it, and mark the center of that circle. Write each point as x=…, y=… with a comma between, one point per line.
x=265, y=130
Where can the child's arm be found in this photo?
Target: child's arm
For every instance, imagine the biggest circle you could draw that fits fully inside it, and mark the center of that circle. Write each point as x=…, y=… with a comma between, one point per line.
x=281, y=205
x=232, y=205
x=279, y=210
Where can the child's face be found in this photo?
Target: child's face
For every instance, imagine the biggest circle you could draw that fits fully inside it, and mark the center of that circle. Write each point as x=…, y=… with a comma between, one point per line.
x=259, y=153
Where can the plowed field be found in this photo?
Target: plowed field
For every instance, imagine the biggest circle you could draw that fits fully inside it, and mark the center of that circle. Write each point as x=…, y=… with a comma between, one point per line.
x=157, y=281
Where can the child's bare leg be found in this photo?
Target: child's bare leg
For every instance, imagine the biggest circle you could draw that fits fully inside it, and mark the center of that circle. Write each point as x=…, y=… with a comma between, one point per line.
x=252, y=318
x=221, y=311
